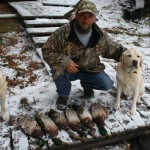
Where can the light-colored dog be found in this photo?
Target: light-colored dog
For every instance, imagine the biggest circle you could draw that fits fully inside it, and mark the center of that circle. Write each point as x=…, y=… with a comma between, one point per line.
x=129, y=78
x=3, y=90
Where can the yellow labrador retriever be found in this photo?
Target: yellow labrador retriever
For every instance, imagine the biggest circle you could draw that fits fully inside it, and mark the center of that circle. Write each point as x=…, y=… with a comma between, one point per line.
x=3, y=90
x=129, y=78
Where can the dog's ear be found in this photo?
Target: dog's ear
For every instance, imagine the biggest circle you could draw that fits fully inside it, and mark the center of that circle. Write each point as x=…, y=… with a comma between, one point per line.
x=141, y=62
x=121, y=60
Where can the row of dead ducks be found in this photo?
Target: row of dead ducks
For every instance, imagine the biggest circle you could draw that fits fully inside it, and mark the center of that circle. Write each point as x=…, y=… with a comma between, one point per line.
x=76, y=121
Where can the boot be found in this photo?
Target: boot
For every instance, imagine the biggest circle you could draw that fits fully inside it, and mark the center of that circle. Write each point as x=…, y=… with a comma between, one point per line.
x=61, y=102
x=88, y=93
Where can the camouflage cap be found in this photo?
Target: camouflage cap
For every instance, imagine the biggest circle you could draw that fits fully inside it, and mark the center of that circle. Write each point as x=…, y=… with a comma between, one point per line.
x=86, y=6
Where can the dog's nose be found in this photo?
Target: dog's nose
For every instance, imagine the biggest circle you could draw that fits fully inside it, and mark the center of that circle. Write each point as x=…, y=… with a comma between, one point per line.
x=134, y=63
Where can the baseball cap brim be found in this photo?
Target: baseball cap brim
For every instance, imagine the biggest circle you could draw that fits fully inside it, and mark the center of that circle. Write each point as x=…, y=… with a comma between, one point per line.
x=86, y=10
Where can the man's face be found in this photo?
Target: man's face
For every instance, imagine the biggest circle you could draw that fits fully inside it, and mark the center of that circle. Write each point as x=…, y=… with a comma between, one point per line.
x=85, y=19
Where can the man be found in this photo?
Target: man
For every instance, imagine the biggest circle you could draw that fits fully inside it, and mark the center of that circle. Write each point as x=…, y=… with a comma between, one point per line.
x=73, y=53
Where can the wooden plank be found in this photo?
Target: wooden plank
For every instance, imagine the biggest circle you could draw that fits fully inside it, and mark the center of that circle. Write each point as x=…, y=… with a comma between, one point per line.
x=125, y=121
x=4, y=137
x=143, y=111
x=145, y=114
x=20, y=140
x=31, y=143
x=129, y=122
x=147, y=88
x=138, y=120
x=114, y=125
x=107, y=100
x=39, y=41
x=102, y=141
x=112, y=122
x=63, y=136
x=32, y=9
x=59, y=3
x=38, y=50
x=135, y=121
x=45, y=22
x=124, y=117
x=8, y=16
x=146, y=101
x=41, y=30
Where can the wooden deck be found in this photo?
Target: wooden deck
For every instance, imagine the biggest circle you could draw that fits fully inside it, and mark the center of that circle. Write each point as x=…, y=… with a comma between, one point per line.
x=120, y=125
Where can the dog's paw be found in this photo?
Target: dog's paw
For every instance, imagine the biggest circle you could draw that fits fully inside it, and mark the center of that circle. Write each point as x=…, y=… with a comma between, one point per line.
x=5, y=116
x=139, y=101
x=133, y=111
x=117, y=106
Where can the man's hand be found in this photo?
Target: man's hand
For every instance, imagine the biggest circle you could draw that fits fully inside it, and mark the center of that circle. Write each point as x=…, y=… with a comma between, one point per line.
x=72, y=68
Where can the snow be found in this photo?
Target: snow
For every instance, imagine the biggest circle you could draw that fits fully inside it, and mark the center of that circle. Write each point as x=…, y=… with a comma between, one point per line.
x=58, y=2
x=8, y=16
x=41, y=94
x=41, y=30
x=45, y=21
x=32, y=9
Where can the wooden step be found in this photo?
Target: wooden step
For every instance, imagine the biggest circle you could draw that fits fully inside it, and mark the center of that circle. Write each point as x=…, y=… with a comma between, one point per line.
x=60, y=2
x=32, y=9
x=41, y=31
x=42, y=22
x=39, y=41
x=8, y=16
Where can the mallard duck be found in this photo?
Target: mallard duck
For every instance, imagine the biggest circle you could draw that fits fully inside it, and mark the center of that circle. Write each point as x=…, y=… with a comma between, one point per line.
x=73, y=119
x=30, y=126
x=74, y=122
x=47, y=125
x=59, y=119
x=85, y=117
x=99, y=114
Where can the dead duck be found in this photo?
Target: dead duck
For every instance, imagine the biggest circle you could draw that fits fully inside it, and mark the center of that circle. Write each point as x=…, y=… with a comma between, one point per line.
x=59, y=119
x=30, y=126
x=74, y=122
x=47, y=125
x=62, y=122
x=73, y=119
x=87, y=121
x=86, y=117
x=99, y=114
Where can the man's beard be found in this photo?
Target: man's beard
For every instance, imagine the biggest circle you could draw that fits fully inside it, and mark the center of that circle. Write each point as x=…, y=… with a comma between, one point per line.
x=80, y=29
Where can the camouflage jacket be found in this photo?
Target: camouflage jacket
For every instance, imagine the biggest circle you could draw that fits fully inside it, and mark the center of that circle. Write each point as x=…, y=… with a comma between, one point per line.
x=63, y=47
